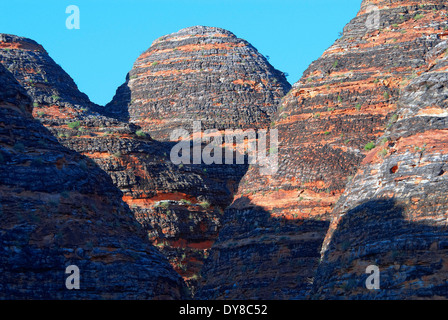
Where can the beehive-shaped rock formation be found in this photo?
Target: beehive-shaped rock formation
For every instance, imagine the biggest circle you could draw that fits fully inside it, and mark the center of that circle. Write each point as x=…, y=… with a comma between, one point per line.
x=270, y=243
x=394, y=212
x=199, y=73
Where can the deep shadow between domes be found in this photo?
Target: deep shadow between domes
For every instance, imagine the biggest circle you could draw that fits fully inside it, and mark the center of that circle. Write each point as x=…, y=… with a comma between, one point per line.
x=271, y=258
x=410, y=255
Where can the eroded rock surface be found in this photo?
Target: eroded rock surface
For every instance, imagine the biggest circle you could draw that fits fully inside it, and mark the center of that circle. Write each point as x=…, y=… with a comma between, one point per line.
x=199, y=73
x=327, y=124
x=180, y=206
x=394, y=212
x=58, y=208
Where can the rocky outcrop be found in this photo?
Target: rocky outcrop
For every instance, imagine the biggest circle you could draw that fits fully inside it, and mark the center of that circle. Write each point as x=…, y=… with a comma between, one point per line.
x=327, y=124
x=180, y=206
x=199, y=73
x=54, y=92
x=58, y=208
x=394, y=212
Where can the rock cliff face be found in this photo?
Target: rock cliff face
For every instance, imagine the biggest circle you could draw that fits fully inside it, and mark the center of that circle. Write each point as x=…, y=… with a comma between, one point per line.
x=394, y=212
x=180, y=206
x=361, y=178
x=199, y=73
x=58, y=209
x=272, y=234
x=52, y=89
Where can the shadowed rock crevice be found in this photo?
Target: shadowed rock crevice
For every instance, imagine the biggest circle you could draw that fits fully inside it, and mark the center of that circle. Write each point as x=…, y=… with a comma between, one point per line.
x=264, y=256
x=395, y=208
x=338, y=112
x=180, y=206
x=411, y=255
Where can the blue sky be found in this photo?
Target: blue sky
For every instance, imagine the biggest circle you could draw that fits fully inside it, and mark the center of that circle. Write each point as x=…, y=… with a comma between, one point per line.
x=113, y=33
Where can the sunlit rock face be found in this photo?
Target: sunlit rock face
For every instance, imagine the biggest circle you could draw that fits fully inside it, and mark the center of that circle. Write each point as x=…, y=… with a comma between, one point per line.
x=180, y=206
x=394, y=212
x=273, y=232
x=199, y=73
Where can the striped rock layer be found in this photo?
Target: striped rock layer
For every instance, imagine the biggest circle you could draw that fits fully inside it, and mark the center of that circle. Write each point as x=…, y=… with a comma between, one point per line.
x=180, y=206
x=394, y=212
x=199, y=73
x=273, y=232
x=58, y=209
x=53, y=90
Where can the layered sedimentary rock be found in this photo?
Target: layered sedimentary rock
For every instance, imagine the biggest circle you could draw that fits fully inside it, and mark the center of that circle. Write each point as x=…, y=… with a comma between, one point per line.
x=394, y=212
x=199, y=73
x=53, y=91
x=58, y=208
x=270, y=243
x=180, y=206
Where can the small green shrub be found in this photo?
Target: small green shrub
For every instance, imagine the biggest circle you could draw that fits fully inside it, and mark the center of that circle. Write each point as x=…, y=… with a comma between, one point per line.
x=164, y=205
x=419, y=16
x=186, y=202
x=205, y=204
x=74, y=125
x=140, y=133
x=394, y=118
x=369, y=146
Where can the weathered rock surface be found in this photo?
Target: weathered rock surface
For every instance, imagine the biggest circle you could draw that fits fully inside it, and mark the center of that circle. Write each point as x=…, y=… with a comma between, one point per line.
x=52, y=89
x=199, y=73
x=58, y=208
x=394, y=212
x=180, y=206
x=345, y=100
